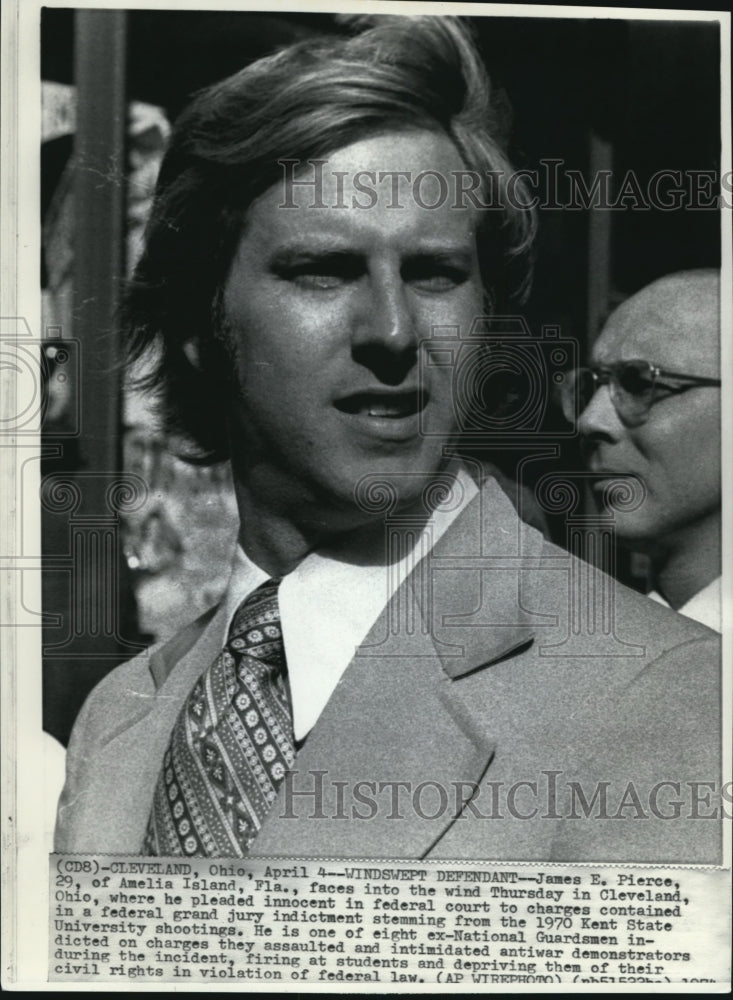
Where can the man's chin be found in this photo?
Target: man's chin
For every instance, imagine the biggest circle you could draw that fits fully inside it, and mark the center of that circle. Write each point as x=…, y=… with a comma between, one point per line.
x=377, y=492
x=636, y=543
x=635, y=536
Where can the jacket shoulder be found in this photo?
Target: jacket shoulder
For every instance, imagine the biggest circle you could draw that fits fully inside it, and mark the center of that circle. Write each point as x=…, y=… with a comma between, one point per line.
x=127, y=695
x=630, y=607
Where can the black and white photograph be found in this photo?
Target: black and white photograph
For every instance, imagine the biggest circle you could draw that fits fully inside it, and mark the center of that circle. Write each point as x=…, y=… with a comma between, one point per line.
x=367, y=394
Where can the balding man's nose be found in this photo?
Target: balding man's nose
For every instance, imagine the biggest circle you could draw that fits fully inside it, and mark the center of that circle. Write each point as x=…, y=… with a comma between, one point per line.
x=600, y=418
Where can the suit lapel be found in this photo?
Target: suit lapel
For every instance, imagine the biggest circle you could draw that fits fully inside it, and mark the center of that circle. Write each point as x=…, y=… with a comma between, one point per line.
x=189, y=651
x=396, y=752
x=388, y=752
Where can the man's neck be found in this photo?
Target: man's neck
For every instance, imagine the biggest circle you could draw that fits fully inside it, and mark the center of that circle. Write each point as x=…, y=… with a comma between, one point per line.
x=688, y=562
x=279, y=539
x=277, y=542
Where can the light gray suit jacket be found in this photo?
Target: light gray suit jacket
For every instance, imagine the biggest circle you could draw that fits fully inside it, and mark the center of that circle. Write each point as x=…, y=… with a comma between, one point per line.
x=504, y=671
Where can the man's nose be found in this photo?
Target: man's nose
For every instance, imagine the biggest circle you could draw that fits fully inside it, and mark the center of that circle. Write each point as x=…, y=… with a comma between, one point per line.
x=599, y=418
x=385, y=336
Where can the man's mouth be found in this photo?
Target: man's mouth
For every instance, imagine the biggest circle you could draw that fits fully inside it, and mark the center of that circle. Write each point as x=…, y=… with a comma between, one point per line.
x=602, y=474
x=383, y=404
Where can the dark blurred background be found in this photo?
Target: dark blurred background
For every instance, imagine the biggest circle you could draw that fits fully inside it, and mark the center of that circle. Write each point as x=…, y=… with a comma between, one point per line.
x=595, y=94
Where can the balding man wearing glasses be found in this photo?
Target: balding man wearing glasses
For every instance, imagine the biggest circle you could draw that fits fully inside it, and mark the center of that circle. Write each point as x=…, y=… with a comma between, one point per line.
x=650, y=408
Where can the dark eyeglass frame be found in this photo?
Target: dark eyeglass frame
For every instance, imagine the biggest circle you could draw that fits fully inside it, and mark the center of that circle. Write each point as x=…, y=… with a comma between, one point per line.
x=632, y=406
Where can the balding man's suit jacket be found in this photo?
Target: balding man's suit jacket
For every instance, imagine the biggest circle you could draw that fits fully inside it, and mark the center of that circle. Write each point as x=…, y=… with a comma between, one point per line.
x=510, y=703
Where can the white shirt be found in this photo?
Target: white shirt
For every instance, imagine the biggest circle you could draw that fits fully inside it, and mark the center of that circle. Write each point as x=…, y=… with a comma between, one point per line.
x=329, y=602
x=703, y=607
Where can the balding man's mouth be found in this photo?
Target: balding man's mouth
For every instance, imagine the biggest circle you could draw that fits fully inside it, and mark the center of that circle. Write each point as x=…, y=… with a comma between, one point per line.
x=605, y=472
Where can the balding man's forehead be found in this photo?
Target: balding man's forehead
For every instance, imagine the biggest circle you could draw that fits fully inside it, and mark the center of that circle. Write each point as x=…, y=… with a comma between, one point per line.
x=673, y=323
x=686, y=298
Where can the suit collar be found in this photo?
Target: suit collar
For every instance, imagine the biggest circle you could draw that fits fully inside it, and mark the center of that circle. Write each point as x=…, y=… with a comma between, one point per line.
x=465, y=594
x=477, y=570
x=204, y=632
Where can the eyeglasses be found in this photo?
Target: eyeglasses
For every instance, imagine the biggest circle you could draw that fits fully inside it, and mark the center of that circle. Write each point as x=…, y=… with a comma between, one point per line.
x=634, y=386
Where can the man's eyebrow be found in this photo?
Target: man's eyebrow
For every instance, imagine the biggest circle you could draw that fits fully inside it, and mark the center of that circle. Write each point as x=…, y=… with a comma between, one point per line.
x=330, y=247
x=458, y=252
x=292, y=256
x=315, y=247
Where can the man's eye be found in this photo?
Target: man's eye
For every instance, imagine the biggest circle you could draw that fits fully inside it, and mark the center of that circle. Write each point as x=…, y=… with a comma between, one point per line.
x=321, y=274
x=635, y=382
x=435, y=278
x=442, y=282
x=317, y=279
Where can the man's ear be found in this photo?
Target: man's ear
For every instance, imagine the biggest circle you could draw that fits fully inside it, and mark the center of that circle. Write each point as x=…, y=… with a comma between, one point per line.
x=193, y=354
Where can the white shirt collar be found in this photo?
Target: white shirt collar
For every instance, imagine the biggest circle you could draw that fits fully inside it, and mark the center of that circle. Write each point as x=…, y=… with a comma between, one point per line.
x=704, y=606
x=328, y=604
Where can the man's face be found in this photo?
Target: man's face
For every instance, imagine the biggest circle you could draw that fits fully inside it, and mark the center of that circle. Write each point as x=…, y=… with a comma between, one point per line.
x=676, y=452
x=326, y=308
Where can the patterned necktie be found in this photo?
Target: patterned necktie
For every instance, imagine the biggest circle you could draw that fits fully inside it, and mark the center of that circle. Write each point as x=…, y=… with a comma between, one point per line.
x=231, y=745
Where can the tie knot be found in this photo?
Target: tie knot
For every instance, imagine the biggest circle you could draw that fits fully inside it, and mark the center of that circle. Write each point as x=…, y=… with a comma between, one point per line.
x=255, y=628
